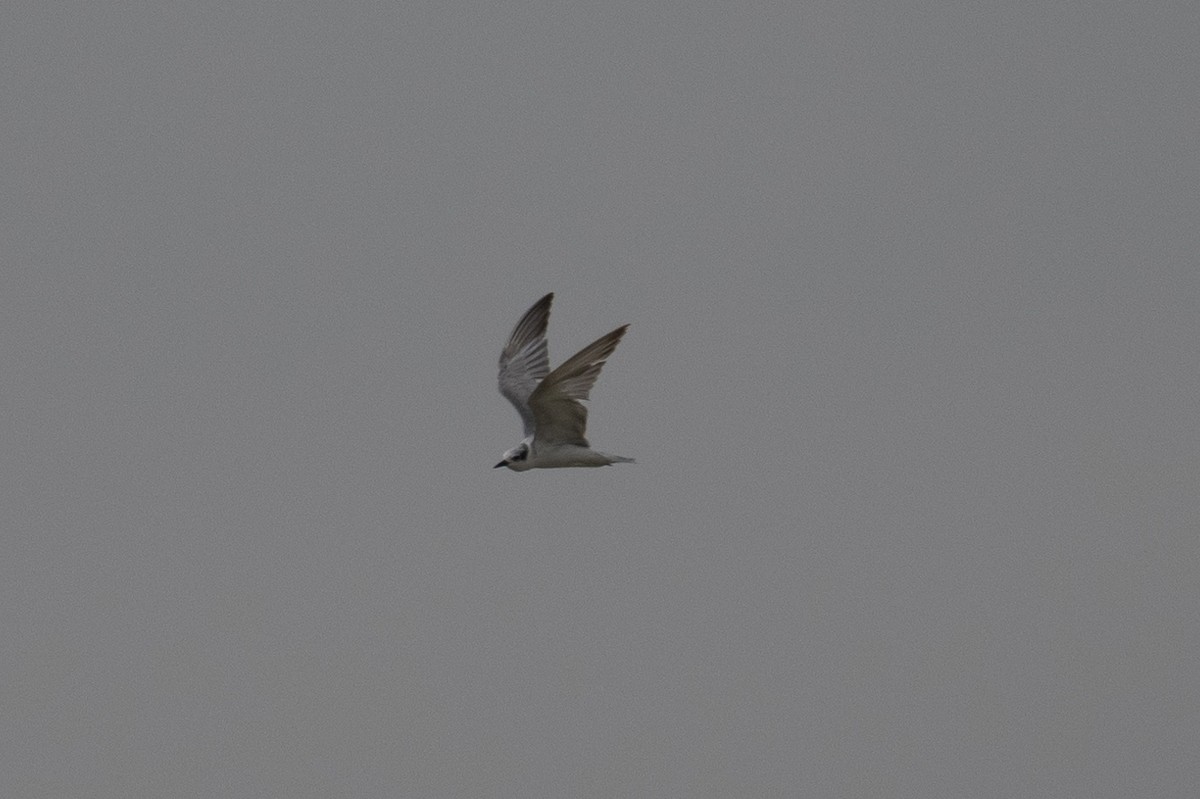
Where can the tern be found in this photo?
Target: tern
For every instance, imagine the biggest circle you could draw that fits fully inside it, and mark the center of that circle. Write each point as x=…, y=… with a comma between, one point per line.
x=550, y=403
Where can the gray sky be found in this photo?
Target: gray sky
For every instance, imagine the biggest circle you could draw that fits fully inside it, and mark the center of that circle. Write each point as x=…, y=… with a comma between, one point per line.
x=911, y=379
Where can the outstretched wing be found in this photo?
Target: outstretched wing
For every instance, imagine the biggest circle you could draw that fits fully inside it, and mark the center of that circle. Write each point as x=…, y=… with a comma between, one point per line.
x=525, y=359
x=559, y=416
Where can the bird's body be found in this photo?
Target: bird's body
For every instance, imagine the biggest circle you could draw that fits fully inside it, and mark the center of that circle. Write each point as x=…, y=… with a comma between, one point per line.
x=550, y=403
x=558, y=456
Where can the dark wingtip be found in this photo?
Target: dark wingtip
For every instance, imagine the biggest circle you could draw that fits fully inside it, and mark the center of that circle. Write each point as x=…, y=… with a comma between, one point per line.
x=501, y=463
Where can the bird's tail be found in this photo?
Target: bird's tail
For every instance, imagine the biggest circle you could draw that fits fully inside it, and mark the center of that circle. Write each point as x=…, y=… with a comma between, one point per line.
x=619, y=459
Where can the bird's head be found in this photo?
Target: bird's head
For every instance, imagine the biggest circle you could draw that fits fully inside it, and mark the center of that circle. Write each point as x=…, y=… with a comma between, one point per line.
x=516, y=458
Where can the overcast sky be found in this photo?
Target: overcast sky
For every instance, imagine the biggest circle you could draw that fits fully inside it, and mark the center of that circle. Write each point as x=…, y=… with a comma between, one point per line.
x=911, y=379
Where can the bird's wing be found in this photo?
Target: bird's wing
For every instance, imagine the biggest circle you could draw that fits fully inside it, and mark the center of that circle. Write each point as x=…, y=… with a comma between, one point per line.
x=558, y=414
x=525, y=359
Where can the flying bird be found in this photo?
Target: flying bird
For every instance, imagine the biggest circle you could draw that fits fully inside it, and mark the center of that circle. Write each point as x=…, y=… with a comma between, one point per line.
x=549, y=403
